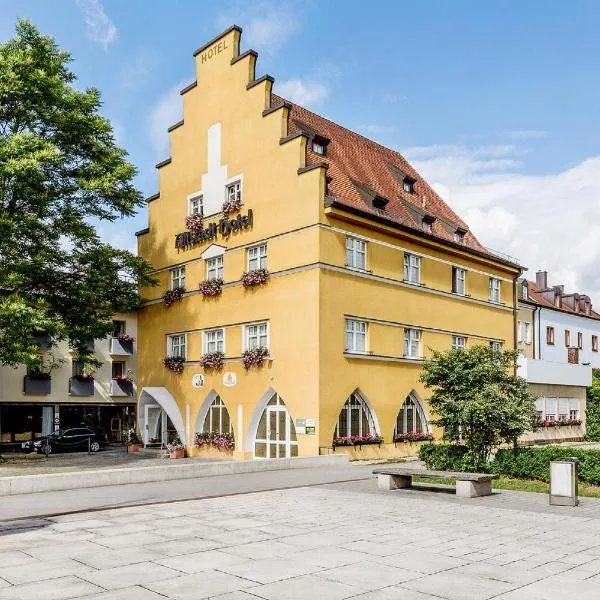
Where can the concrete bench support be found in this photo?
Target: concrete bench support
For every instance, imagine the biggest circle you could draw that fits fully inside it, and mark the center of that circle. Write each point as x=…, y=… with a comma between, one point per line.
x=472, y=489
x=393, y=482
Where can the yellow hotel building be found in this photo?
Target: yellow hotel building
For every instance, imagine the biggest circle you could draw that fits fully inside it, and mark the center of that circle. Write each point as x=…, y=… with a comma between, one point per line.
x=341, y=271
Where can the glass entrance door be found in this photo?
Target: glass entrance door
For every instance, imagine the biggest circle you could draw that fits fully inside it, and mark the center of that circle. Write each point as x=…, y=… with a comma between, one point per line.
x=276, y=434
x=153, y=433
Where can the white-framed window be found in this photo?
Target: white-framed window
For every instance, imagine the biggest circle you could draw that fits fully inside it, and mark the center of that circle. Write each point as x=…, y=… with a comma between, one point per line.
x=557, y=409
x=195, y=206
x=412, y=268
x=177, y=277
x=356, y=336
x=234, y=191
x=496, y=346
x=408, y=185
x=214, y=268
x=257, y=257
x=356, y=253
x=459, y=279
x=214, y=340
x=411, y=417
x=459, y=342
x=412, y=343
x=217, y=418
x=256, y=335
x=318, y=148
x=526, y=332
x=519, y=331
x=459, y=237
x=494, y=295
x=427, y=226
x=355, y=418
x=550, y=336
x=594, y=343
x=176, y=345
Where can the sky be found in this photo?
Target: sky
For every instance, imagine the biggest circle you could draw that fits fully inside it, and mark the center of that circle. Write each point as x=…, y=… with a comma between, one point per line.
x=496, y=104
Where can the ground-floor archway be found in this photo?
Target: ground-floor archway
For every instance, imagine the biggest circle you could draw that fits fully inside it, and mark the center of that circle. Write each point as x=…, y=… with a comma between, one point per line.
x=273, y=434
x=157, y=410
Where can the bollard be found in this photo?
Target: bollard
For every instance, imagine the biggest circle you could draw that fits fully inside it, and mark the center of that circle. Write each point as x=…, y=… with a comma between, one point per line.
x=563, y=482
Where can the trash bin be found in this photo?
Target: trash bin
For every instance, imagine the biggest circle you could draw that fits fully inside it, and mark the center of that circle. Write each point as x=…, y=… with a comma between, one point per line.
x=563, y=482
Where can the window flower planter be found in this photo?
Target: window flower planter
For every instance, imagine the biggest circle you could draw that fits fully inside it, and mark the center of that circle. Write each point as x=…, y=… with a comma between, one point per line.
x=413, y=437
x=121, y=386
x=194, y=223
x=212, y=360
x=256, y=277
x=357, y=440
x=230, y=206
x=211, y=439
x=37, y=384
x=254, y=357
x=121, y=347
x=125, y=338
x=174, y=363
x=81, y=385
x=559, y=423
x=211, y=287
x=172, y=296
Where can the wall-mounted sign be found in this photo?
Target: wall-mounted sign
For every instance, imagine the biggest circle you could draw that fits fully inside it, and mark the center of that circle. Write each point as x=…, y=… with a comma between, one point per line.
x=198, y=381
x=229, y=379
x=300, y=426
x=224, y=227
x=311, y=427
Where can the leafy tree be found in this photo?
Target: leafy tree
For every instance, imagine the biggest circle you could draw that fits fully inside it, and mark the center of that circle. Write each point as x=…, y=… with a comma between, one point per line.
x=60, y=171
x=478, y=400
x=592, y=411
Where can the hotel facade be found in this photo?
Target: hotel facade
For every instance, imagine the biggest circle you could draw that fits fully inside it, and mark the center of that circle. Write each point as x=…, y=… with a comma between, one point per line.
x=304, y=274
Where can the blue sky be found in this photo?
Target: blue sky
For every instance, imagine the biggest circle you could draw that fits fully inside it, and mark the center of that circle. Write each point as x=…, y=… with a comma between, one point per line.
x=496, y=103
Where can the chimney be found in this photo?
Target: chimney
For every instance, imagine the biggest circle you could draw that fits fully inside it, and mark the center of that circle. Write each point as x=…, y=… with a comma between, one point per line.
x=541, y=280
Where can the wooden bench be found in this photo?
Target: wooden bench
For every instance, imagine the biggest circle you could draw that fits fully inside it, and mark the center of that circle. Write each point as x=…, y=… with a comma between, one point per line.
x=468, y=485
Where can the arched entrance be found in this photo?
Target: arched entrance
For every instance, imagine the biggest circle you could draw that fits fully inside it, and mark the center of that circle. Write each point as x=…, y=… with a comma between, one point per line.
x=159, y=416
x=275, y=433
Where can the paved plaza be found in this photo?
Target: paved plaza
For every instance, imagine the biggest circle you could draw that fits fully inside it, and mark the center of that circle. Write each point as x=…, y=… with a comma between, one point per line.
x=327, y=542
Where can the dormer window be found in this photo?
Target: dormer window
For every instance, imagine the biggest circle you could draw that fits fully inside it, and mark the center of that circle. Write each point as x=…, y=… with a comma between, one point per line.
x=408, y=185
x=319, y=145
x=427, y=223
x=459, y=236
x=379, y=202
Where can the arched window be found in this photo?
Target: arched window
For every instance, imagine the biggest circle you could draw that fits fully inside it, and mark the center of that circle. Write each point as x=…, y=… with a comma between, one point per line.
x=217, y=418
x=355, y=418
x=411, y=418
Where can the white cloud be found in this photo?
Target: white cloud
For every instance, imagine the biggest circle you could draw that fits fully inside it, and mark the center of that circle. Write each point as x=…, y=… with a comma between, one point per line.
x=549, y=221
x=307, y=92
x=267, y=25
x=99, y=27
x=166, y=112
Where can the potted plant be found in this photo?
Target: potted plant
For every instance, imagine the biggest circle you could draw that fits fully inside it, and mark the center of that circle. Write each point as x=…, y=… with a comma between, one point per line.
x=194, y=222
x=174, y=363
x=133, y=442
x=212, y=360
x=172, y=296
x=255, y=277
x=176, y=448
x=211, y=287
x=254, y=357
x=232, y=205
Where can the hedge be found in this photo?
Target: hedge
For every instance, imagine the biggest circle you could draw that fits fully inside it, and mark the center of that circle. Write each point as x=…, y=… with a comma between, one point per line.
x=523, y=463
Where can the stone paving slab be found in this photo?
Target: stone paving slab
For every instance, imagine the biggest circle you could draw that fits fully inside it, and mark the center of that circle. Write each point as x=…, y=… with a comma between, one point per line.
x=333, y=542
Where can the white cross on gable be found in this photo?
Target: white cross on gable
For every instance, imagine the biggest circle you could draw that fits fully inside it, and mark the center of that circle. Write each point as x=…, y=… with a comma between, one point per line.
x=215, y=179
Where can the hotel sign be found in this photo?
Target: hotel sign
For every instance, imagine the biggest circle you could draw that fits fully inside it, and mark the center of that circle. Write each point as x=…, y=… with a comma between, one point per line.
x=224, y=228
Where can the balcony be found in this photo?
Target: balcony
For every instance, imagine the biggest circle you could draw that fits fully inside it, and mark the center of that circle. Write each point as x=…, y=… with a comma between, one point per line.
x=544, y=371
x=81, y=387
x=121, y=388
x=121, y=348
x=36, y=386
x=43, y=341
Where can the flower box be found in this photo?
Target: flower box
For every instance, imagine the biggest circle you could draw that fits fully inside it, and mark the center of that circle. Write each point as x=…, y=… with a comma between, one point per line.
x=37, y=384
x=121, y=387
x=212, y=360
x=256, y=277
x=172, y=296
x=81, y=385
x=125, y=337
x=131, y=448
x=120, y=347
x=174, y=363
x=230, y=206
x=178, y=453
x=559, y=423
x=210, y=439
x=357, y=440
x=254, y=357
x=211, y=287
x=194, y=223
x=413, y=437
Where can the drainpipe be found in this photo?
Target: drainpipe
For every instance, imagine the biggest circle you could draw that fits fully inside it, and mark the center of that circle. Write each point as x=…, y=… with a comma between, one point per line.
x=535, y=338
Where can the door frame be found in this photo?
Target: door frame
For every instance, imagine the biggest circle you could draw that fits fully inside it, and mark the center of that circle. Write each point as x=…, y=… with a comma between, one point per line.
x=145, y=433
x=286, y=442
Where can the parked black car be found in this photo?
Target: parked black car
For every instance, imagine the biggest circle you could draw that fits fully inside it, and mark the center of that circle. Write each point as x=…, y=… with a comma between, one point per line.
x=68, y=440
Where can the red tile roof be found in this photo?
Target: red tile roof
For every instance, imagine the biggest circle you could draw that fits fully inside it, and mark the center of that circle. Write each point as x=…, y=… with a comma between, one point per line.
x=535, y=296
x=359, y=168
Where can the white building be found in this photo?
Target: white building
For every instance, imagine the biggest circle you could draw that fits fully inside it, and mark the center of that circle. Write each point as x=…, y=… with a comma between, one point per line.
x=31, y=406
x=558, y=335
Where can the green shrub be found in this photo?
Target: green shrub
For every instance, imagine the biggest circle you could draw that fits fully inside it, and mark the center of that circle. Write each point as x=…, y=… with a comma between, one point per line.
x=443, y=457
x=533, y=463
